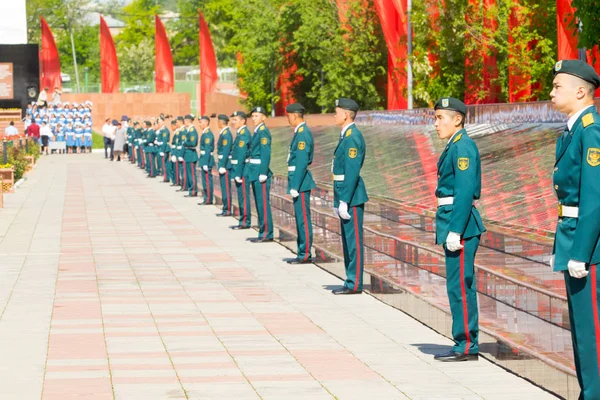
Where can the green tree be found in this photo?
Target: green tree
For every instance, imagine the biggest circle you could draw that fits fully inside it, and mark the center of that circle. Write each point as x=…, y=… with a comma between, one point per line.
x=87, y=48
x=588, y=13
x=136, y=61
x=139, y=22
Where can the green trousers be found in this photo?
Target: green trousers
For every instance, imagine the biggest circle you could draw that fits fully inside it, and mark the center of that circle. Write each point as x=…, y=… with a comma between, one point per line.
x=131, y=153
x=151, y=164
x=304, y=231
x=224, y=180
x=243, y=195
x=262, y=199
x=192, y=178
x=140, y=157
x=158, y=163
x=462, y=296
x=352, y=242
x=582, y=295
x=183, y=181
x=207, y=186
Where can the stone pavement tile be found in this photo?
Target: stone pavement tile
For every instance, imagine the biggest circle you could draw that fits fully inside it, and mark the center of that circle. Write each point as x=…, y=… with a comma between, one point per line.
x=282, y=389
x=220, y=390
x=358, y=389
x=148, y=391
x=75, y=389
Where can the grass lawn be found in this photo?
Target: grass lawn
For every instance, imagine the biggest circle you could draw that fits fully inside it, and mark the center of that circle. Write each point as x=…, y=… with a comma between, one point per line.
x=97, y=141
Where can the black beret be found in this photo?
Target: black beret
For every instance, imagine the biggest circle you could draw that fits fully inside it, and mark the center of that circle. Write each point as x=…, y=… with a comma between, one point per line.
x=136, y=123
x=173, y=121
x=223, y=117
x=452, y=104
x=205, y=117
x=180, y=118
x=189, y=116
x=240, y=114
x=295, y=108
x=259, y=109
x=577, y=68
x=347, y=104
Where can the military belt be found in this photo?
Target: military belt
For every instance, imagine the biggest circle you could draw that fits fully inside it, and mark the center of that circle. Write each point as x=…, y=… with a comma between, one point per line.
x=203, y=152
x=338, y=177
x=569, y=212
x=291, y=168
x=234, y=162
x=220, y=156
x=254, y=160
x=447, y=201
x=151, y=144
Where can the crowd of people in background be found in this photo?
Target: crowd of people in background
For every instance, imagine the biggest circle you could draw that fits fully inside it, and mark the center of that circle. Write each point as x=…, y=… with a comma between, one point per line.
x=66, y=123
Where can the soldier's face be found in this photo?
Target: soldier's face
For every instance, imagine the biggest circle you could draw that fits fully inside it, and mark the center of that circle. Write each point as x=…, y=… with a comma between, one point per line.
x=446, y=123
x=203, y=124
x=565, y=93
x=257, y=118
x=340, y=116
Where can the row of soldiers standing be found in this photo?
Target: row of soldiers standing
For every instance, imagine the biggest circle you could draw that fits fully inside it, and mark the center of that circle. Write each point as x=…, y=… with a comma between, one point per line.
x=245, y=160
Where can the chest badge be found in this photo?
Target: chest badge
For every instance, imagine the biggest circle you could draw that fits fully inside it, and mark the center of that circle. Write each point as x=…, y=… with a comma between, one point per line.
x=241, y=144
x=224, y=142
x=207, y=140
x=463, y=163
x=264, y=140
x=301, y=145
x=352, y=153
x=593, y=156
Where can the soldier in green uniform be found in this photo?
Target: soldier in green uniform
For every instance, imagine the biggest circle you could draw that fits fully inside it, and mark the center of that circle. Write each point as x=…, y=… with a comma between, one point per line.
x=170, y=163
x=239, y=153
x=156, y=125
x=350, y=194
x=150, y=150
x=224, y=146
x=259, y=174
x=300, y=181
x=458, y=225
x=138, y=138
x=163, y=137
x=131, y=143
x=176, y=151
x=190, y=156
x=207, y=161
x=577, y=240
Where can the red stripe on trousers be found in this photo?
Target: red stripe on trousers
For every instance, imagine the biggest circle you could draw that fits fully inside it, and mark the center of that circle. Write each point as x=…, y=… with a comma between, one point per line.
x=228, y=192
x=266, y=218
x=207, y=190
x=194, y=183
x=244, y=192
x=595, y=311
x=464, y=296
x=356, y=234
x=307, y=245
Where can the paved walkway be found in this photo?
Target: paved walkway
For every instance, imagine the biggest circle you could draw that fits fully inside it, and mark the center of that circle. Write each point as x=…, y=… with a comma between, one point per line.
x=115, y=286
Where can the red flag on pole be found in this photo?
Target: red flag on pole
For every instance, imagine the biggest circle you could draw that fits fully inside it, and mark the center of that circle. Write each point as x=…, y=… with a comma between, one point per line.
x=593, y=58
x=208, y=63
x=109, y=64
x=49, y=60
x=165, y=82
x=393, y=23
x=566, y=33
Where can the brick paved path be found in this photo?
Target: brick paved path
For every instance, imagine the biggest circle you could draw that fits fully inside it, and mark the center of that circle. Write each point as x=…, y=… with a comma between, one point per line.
x=114, y=286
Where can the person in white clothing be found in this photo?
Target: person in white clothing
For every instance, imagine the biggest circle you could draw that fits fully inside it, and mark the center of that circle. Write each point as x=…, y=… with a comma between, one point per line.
x=11, y=129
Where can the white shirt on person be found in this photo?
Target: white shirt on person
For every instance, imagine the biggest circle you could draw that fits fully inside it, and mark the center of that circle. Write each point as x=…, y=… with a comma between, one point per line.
x=11, y=130
x=45, y=131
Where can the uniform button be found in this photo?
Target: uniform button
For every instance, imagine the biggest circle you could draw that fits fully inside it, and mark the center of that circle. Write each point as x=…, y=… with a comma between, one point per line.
x=556, y=187
x=555, y=169
x=560, y=220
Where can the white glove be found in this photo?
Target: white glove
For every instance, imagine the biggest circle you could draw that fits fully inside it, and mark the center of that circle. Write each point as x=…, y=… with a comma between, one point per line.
x=222, y=170
x=205, y=168
x=238, y=179
x=262, y=178
x=453, y=242
x=336, y=212
x=577, y=269
x=552, y=261
x=294, y=193
x=173, y=158
x=162, y=154
x=180, y=159
x=343, y=210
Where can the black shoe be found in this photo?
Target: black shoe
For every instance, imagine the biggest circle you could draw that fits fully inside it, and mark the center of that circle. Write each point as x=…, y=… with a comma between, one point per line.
x=452, y=356
x=175, y=184
x=201, y=204
x=252, y=239
x=345, y=290
x=237, y=227
x=191, y=195
x=181, y=190
x=261, y=240
x=299, y=261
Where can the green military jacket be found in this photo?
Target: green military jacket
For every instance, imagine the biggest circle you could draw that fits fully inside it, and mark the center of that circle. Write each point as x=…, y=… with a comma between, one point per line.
x=138, y=138
x=348, y=159
x=150, y=139
x=300, y=157
x=207, y=146
x=176, y=143
x=224, y=146
x=459, y=176
x=259, y=154
x=163, y=137
x=189, y=141
x=577, y=184
x=130, y=135
x=239, y=151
